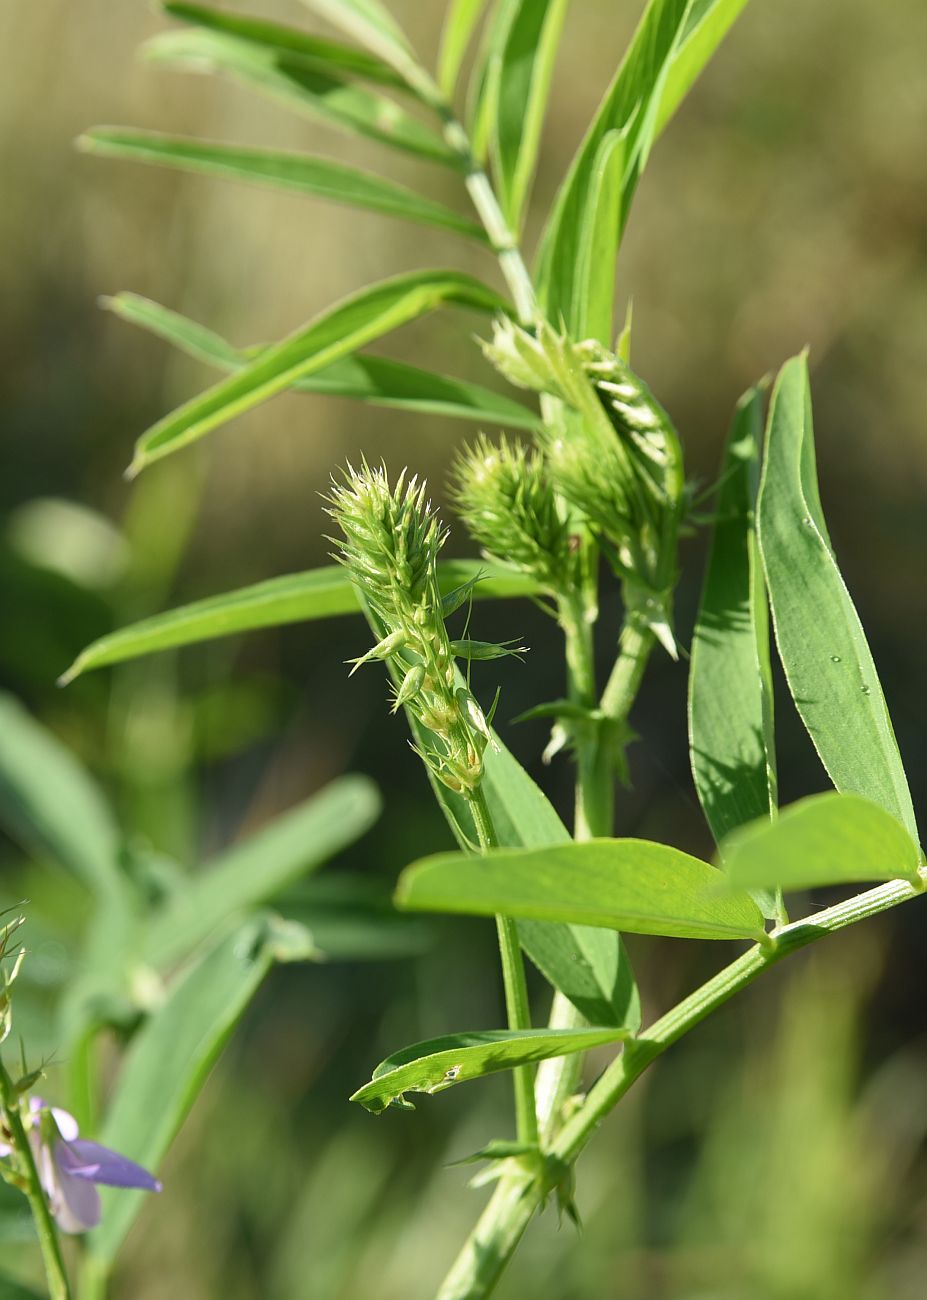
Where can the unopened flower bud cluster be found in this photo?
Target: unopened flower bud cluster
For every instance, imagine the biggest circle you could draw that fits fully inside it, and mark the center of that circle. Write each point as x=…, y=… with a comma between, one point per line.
x=391, y=540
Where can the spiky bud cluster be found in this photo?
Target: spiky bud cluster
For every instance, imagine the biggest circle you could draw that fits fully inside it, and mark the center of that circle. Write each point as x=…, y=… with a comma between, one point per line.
x=7, y=977
x=505, y=496
x=611, y=450
x=391, y=540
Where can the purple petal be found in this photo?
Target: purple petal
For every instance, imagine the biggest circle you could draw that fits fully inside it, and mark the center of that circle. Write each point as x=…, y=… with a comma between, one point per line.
x=74, y=1203
x=5, y=1150
x=96, y=1164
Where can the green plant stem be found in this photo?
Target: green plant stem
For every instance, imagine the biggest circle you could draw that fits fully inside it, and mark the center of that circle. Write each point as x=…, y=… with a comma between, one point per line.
x=58, y=1288
x=623, y=683
x=513, y=978
x=500, y=1228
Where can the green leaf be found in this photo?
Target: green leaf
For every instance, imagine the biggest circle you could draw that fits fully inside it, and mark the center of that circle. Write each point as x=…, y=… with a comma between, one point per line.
x=439, y=1063
x=706, y=26
x=631, y=885
x=827, y=662
x=256, y=870
x=371, y=23
x=370, y=379
x=459, y=22
x=167, y=1065
x=294, y=598
x=328, y=56
x=483, y=95
x=301, y=86
x=349, y=325
x=673, y=41
x=731, y=741
x=525, y=67
x=829, y=839
x=597, y=254
x=50, y=804
x=294, y=171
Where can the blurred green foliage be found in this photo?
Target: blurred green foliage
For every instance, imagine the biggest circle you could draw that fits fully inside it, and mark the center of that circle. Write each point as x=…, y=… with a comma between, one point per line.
x=786, y=204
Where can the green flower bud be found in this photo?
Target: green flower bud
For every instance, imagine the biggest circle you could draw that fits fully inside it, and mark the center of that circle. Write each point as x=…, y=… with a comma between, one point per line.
x=505, y=497
x=391, y=540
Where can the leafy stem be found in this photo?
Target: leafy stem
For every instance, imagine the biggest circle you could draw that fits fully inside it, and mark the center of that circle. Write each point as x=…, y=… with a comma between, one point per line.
x=55, y=1273
x=513, y=977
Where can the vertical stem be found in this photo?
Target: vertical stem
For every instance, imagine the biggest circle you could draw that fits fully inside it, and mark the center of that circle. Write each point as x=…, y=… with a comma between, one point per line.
x=58, y=1287
x=513, y=979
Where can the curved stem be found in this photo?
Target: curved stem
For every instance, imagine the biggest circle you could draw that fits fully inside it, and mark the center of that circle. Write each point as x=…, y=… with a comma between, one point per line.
x=58, y=1287
x=507, y=1215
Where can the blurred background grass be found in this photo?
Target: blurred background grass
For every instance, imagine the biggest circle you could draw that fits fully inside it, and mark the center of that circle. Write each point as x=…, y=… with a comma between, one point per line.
x=779, y=1152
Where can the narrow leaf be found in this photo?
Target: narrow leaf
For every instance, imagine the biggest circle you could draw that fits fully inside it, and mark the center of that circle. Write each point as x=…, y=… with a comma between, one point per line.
x=673, y=41
x=631, y=885
x=376, y=380
x=342, y=329
x=460, y=20
x=294, y=598
x=597, y=254
x=50, y=804
x=827, y=662
x=301, y=86
x=328, y=56
x=293, y=171
x=371, y=23
x=261, y=866
x=829, y=839
x=525, y=68
x=439, y=1063
x=730, y=706
x=167, y=1064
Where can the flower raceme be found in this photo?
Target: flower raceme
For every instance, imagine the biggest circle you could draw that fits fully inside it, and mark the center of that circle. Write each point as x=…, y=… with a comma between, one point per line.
x=70, y=1167
x=391, y=540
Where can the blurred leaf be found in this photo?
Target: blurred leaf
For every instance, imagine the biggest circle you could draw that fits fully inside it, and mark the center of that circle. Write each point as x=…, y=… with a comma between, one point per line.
x=459, y=22
x=10, y=1289
x=352, y=918
x=359, y=319
x=50, y=804
x=823, y=648
x=257, y=869
x=322, y=54
x=301, y=172
x=483, y=95
x=646, y=89
x=365, y=378
x=632, y=885
x=439, y=1063
x=371, y=23
x=167, y=1065
x=294, y=598
x=597, y=253
x=731, y=741
x=301, y=86
x=525, y=67
x=829, y=839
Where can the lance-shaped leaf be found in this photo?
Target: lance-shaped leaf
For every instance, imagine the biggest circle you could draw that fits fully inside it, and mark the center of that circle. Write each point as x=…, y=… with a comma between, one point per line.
x=673, y=41
x=439, y=1063
x=371, y=23
x=376, y=380
x=257, y=869
x=337, y=332
x=168, y=1062
x=301, y=46
x=459, y=22
x=631, y=885
x=50, y=804
x=299, y=85
x=597, y=253
x=295, y=598
x=828, y=839
x=525, y=66
x=731, y=742
x=302, y=173
x=827, y=661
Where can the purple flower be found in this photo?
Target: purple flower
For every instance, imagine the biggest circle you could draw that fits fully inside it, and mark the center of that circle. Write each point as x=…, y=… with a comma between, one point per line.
x=69, y=1167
